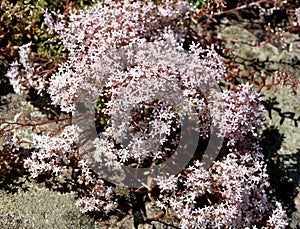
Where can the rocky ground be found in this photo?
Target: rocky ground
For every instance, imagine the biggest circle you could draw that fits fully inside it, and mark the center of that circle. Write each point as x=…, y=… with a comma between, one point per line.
x=280, y=139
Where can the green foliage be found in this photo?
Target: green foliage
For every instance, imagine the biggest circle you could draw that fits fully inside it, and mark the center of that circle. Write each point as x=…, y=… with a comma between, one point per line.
x=22, y=22
x=101, y=119
x=200, y=3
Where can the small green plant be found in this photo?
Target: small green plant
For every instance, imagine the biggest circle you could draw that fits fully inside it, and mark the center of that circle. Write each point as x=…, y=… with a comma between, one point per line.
x=200, y=3
x=22, y=22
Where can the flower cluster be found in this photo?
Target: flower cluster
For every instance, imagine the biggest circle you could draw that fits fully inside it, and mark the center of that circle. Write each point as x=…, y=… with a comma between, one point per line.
x=93, y=37
x=22, y=73
x=278, y=218
x=230, y=194
x=165, y=83
x=53, y=154
x=56, y=154
x=134, y=50
x=242, y=117
x=100, y=197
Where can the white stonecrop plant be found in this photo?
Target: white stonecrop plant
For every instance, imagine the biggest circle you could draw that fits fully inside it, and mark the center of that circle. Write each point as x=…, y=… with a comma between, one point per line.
x=131, y=53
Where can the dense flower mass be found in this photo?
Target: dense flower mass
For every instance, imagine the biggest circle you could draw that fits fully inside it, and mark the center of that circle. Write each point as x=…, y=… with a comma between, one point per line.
x=230, y=194
x=167, y=83
x=130, y=54
x=94, y=36
x=52, y=153
x=146, y=67
x=243, y=116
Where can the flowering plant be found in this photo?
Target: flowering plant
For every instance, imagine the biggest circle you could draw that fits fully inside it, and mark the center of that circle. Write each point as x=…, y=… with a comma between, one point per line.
x=132, y=56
